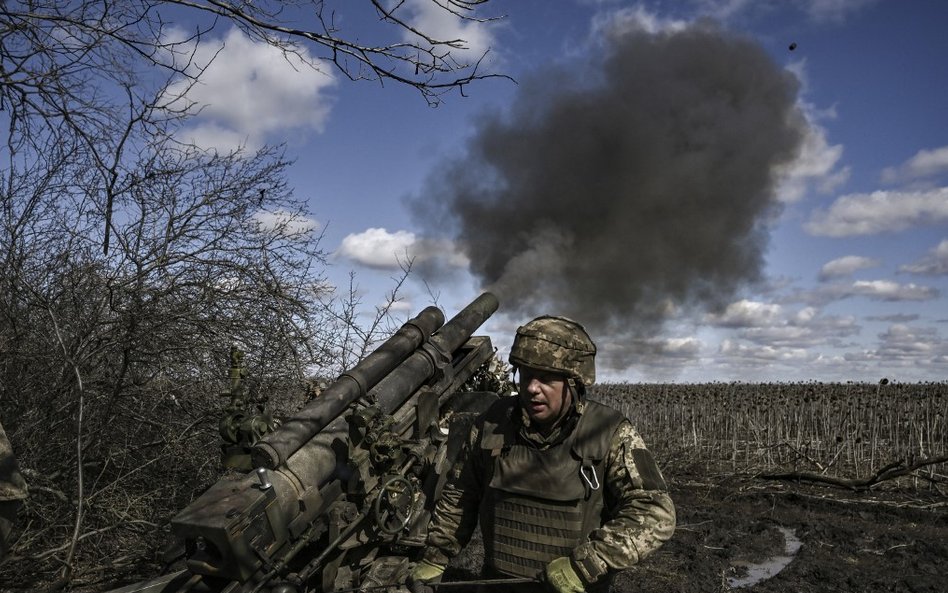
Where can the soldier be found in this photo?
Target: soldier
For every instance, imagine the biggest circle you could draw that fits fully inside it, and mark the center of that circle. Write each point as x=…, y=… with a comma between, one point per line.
x=12, y=491
x=564, y=487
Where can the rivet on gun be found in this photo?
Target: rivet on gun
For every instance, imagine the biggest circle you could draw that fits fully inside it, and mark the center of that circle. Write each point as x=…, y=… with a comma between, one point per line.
x=264, y=478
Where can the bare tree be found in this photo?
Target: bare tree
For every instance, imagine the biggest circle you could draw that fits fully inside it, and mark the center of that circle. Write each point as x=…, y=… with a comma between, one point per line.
x=52, y=49
x=418, y=58
x=74, y=67
x=98, y=351
x=111, y=360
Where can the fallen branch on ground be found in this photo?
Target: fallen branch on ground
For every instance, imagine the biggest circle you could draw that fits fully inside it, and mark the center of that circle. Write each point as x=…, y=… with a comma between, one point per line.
x=896, y=469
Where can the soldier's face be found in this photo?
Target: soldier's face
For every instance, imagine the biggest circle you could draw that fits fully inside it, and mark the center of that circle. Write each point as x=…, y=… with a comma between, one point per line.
x=543, y=395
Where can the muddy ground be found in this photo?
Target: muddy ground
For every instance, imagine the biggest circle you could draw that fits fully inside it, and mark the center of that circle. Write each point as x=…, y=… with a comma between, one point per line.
x=733, y=528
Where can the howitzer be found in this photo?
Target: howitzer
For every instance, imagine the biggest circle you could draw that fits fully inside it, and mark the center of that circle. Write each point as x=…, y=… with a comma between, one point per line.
x=342, y=491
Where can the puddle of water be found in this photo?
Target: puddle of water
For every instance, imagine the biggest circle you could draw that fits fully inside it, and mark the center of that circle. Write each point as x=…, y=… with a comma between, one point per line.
x=761, y=571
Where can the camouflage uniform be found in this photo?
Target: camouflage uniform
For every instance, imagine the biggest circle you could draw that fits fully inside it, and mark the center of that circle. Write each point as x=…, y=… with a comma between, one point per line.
x=564, y=488
x=12, y=490
x=635, y=516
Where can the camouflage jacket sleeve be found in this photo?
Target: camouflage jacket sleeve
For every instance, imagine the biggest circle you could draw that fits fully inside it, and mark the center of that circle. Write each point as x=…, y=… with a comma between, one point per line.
x=455, y=514
x=641, y=515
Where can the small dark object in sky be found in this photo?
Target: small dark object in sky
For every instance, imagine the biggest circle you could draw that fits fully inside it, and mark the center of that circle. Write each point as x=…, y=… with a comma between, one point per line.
x=793, y=46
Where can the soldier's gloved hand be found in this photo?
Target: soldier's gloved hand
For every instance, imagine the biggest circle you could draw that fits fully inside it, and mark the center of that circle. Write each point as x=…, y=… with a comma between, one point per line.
x=421, y=577
x=562, y=578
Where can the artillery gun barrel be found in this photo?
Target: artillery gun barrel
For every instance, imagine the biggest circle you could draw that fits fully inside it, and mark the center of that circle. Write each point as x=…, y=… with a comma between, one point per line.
x=277, y=447
x=315, y=463
x=240, y=527
x=396, y=388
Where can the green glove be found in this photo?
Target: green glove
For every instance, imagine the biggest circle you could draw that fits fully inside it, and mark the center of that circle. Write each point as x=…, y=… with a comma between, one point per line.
x=424, y=573
x=562, y=577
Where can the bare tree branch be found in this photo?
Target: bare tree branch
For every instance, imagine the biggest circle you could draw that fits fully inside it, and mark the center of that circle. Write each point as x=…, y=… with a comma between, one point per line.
x=894, y=470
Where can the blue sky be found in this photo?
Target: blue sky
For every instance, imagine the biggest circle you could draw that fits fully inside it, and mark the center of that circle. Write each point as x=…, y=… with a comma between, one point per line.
x=851, y=233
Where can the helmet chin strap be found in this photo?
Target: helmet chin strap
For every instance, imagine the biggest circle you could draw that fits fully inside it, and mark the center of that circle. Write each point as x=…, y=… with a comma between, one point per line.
x=577, y=390
x=569, y=387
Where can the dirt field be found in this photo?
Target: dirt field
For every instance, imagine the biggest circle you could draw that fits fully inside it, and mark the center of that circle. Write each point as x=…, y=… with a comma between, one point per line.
x=847, y=541
x=733, y=528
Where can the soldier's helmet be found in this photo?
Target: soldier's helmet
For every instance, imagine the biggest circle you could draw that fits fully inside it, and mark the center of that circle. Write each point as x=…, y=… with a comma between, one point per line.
x=555, y=344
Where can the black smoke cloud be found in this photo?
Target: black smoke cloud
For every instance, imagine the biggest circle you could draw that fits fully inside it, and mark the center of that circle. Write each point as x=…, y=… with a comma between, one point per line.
x=642, y=181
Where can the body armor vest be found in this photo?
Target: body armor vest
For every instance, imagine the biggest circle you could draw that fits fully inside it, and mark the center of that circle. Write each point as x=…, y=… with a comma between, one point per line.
x=539, y=504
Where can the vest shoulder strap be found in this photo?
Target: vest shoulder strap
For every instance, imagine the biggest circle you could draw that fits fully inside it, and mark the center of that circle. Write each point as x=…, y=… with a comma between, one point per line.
x=497, y=431
x=595, y=429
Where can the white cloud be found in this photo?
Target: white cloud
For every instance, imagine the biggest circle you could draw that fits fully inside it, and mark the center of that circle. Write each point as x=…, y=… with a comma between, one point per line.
x=749, y=354
x=818, y=164
x=251, y=92
x=213, y=136
x=895, y=318
x=617, y=23
x=402, y=307
x=746, y=313
x=845, y=266
x=383, y=250
x=907, y=347
x=803, y=332
x=775, y=328
x=886, y=290
x=878, y=212
x=933, y=264
x=877, y=290
x=805, y=315
x=440, y=24
x=724, y=9
x=285, y=223
x=903, y=340
x=377, y=248
x=680, y=347
x=925, y=163
x=663, y=357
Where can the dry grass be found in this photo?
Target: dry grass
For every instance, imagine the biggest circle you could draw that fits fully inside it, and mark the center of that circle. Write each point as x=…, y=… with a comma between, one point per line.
x=849, y=429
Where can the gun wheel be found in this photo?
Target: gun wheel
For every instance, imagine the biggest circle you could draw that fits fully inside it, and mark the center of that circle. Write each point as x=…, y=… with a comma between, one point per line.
x=394, y=506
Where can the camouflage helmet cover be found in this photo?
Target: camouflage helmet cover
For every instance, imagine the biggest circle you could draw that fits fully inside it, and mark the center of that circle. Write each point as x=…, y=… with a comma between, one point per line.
x=555, y=344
